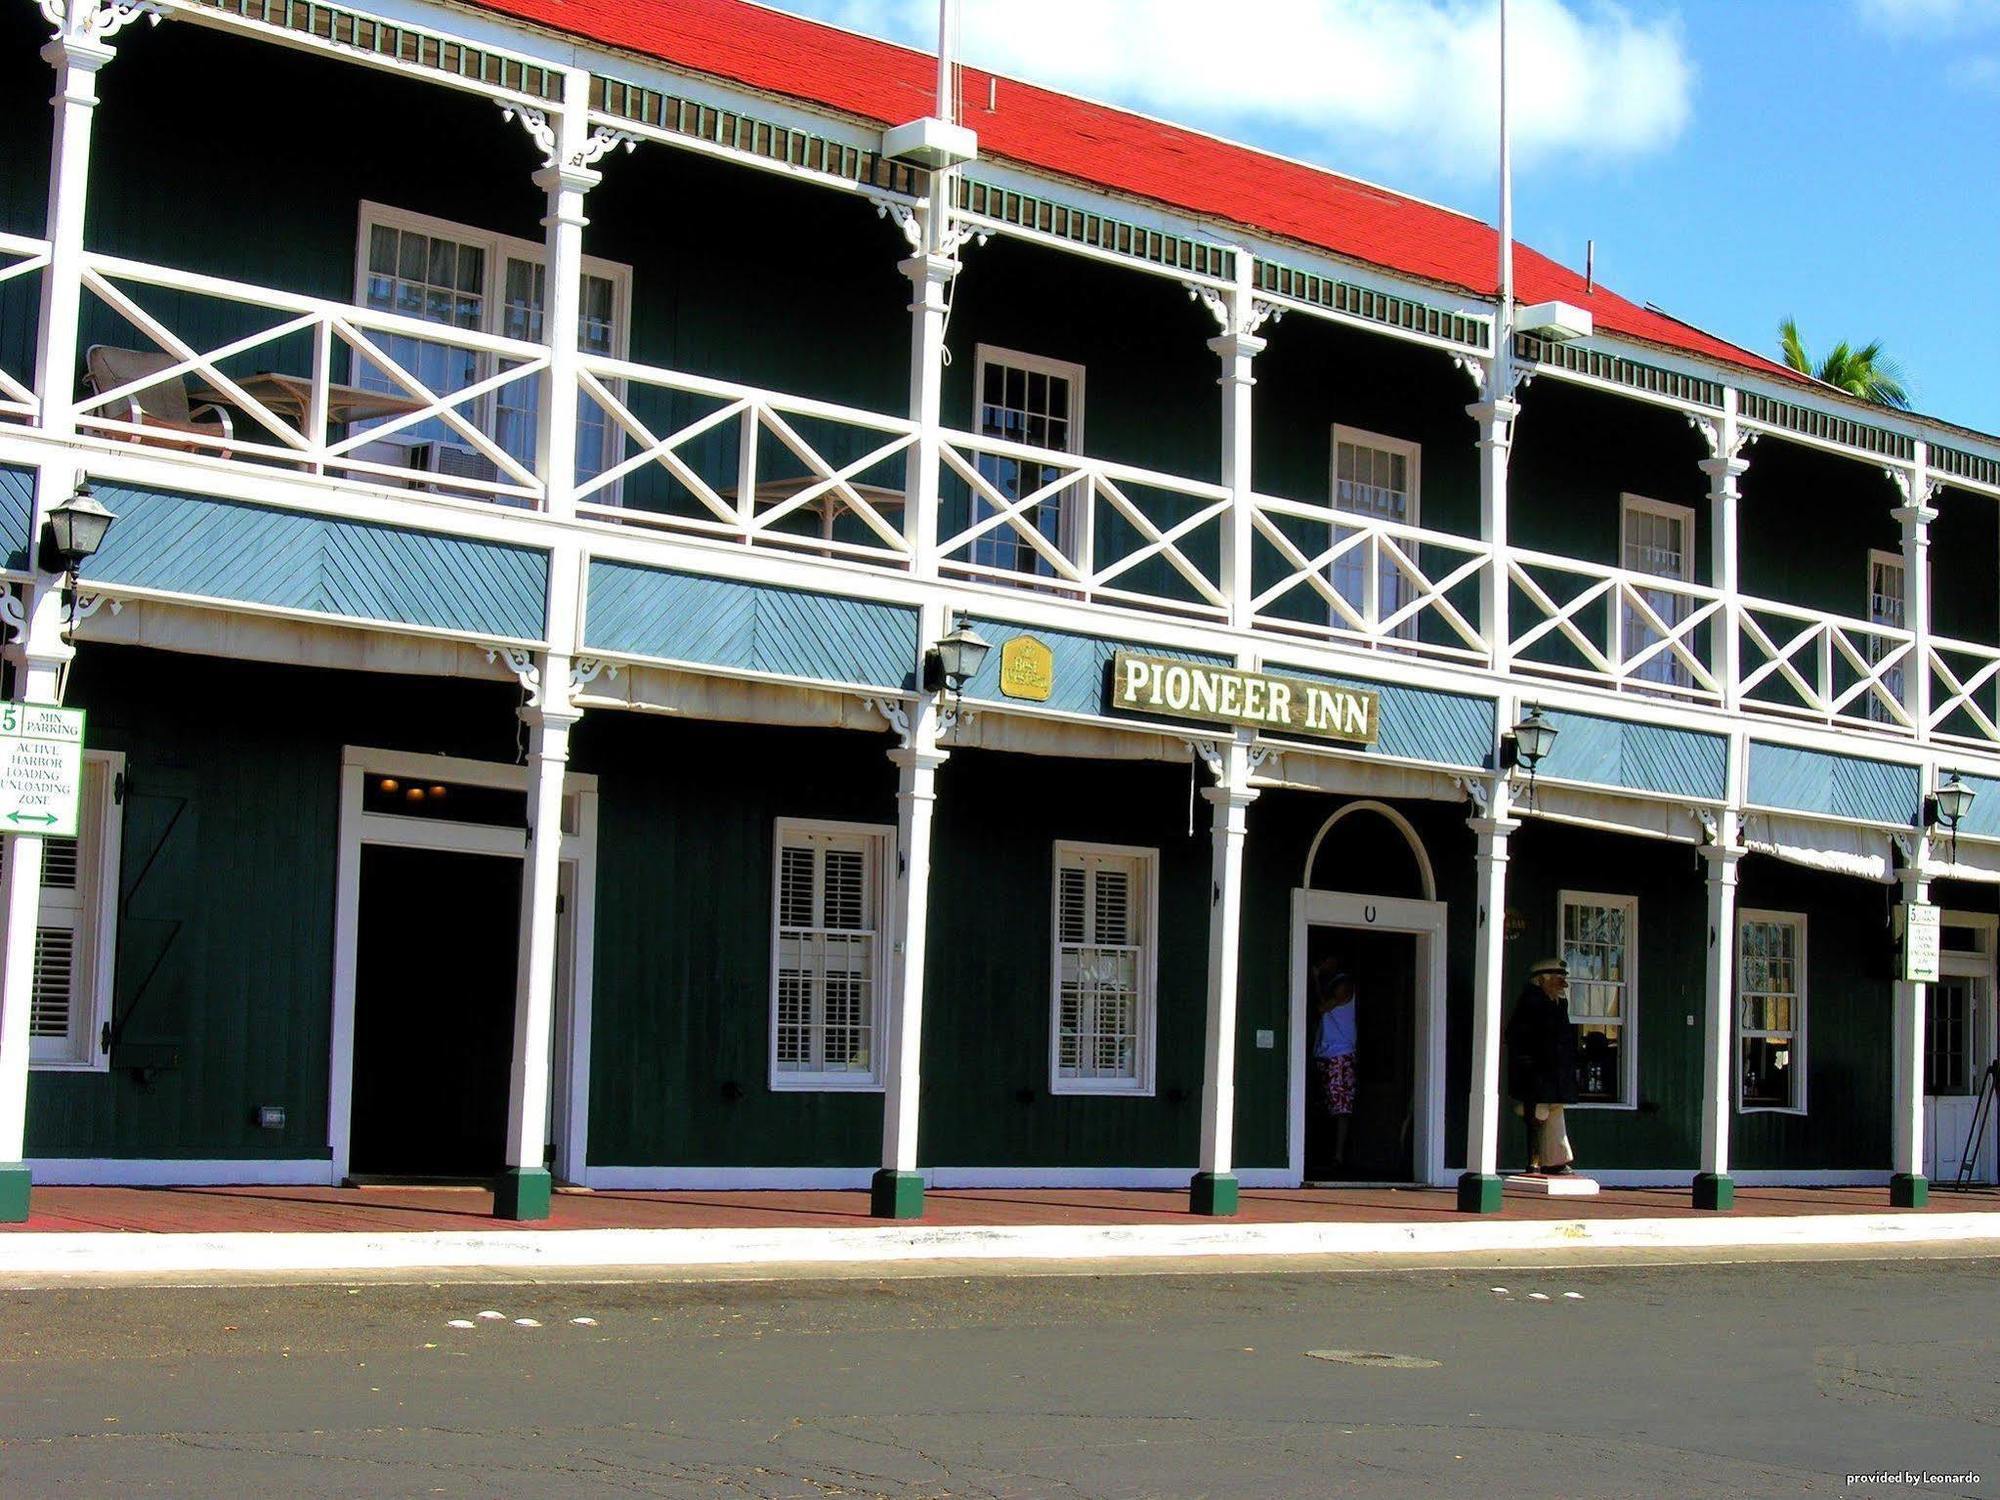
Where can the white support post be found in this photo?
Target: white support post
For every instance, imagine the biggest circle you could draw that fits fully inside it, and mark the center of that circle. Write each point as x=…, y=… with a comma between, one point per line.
x=897, y=1191
x=930, y=272
x=1725, y=468
x=1237, y=347
x=1495, y=412
x=1908, y=1187
x=1213, y=1190
x=1713, y=1186
x=566, y=176
x=1915, y=516
x=1479, y=1189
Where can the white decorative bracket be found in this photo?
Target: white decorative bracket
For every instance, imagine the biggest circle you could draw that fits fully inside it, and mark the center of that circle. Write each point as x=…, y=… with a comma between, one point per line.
x=958, y=234
x=1475, y=792
x=603, y=141
x=1474, y=367
x=1258, y=755
x=13, y=615
x=523, y=665
x=1210, y=298
x=1914, y=494
x=1711, y=435
x=587, y=669
x=536, y=123
x=905, y=217
x=1259, y=312
x=1212, y=757
x=96, y=20
x=1906, y=845
x=897, y=715
x=89, y=604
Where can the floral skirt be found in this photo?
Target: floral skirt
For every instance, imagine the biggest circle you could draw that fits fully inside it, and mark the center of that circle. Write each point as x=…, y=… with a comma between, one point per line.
x=1336, y=1083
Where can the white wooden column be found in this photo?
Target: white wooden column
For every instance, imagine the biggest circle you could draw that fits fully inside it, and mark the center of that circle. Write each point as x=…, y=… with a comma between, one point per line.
x=1714, y=1188
x=930, y=274
x=1237, y=347
x=1495, y=413
x=1725, y=468
x=1479, y=1188
x=1213, y=1190
x=897, y=1191
x=1915, y=515
x=566, y=176
x=1908, y=1187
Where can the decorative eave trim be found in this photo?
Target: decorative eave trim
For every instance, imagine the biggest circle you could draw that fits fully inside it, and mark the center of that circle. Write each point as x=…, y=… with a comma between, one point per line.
x=1099, y=231
x=1956, y=463
x=1826, y=427
x=1372, y=305
x=1598, y=365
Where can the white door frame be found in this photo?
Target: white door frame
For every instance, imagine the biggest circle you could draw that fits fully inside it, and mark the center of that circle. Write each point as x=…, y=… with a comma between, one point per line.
x=572, y=1011
x=1957, y=964
x=1426, y=921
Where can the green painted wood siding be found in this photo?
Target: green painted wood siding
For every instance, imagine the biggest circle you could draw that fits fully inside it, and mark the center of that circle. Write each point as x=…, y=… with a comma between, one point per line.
x=17, y=511
x=217, y=549
x=1842, y=786
x=1419, y=724
x=1641, y=757
x=638, y=611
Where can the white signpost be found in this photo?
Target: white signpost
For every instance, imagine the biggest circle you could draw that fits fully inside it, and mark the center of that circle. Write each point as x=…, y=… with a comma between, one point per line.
x=1922, y=943
x=41, y=769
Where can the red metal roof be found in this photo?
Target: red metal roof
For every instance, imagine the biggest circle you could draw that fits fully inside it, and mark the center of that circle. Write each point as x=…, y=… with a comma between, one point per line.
x=821, y=65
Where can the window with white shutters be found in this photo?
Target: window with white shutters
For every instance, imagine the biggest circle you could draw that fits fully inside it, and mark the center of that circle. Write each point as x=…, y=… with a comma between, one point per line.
x=1102, y=1019
x=1771, y=1010
x=76, y=935
x=826, y=1000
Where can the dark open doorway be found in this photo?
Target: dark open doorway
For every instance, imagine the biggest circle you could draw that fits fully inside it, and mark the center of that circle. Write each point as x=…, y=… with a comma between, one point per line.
x=1376, y=1142
x=433, y=1013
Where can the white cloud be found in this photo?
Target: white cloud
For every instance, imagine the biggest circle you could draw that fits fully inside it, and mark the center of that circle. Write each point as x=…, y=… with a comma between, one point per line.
x=1929, y=18
x=1396, y=80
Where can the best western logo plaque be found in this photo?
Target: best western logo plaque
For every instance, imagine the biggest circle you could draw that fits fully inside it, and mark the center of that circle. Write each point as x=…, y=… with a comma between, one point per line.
x=1158, y=687
x=1027, y=669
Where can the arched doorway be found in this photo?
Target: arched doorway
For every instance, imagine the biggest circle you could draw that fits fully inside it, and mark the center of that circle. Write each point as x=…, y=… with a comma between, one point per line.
x=1367, y=971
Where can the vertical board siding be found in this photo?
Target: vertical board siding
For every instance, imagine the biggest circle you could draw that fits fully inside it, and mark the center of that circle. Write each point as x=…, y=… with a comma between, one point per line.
x=1417, y=723
x=17, y=514
x=1841, y=786
x=1641, y=757
x=637, y=611
x=187, y=544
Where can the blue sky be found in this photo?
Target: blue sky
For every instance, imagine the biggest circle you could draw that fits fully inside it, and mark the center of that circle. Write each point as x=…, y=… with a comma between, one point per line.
x=1735, y=160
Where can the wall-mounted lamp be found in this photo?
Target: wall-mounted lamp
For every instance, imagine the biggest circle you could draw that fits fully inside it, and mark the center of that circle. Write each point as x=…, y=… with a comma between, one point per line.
x=1947, y=806
x=74, y=531
x=1527, y=744
x=955, y=660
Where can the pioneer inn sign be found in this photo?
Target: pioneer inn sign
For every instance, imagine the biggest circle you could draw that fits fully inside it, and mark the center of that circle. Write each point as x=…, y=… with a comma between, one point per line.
x=534, y=734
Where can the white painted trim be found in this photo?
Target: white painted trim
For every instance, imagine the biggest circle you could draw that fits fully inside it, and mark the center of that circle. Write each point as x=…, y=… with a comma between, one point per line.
x=1426, y=921
x=1628, y=1022
x=877, y=839
x=1148, y=862
x=1799, y=1104
x=1395, y=816
x=100, y=847
x=117, y=1171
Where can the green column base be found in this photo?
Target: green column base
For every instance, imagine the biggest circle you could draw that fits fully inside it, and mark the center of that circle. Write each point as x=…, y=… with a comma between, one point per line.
x=1479, y=1193
x=1714, y=1190
x=521, y=1193
x=896, y=1195
x=13, y=1194
x=1212, y=1193
x=1906, y=1190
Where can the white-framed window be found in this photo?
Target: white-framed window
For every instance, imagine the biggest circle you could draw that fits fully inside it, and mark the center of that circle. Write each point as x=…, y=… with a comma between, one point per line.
x=828, y=898
x=1885, y=608
x=463, y=277
x=1378, y=477
x=1025, y=398
x=1600, y=943
x=1103, y=969
x=1771, y=1011
x=76, y=936
x=1656, y=539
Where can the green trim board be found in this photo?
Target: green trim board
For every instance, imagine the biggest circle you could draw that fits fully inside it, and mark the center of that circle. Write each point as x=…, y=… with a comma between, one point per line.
x=17, y=512
x=1373, y=305
x=685, y=617
x=1081, y=665
x=1637, y=757
x=1839, y=786
x=225, y=549
x=1450, y=729
x=1618, y=370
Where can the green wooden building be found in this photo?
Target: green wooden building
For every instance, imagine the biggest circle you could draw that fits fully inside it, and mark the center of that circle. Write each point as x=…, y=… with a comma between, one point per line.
x=528, y=736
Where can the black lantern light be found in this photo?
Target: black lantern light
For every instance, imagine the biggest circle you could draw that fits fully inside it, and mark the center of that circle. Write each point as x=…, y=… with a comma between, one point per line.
x=1527, y=743
x=1947, y=806
x=76, y=529
x=955, y=659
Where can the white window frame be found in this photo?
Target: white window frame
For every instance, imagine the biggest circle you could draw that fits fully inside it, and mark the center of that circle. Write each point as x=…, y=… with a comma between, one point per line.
x=1411, y=452
x=1795, y=919
x=498, y=247
x=1629, y=505
x=1141, y=1085
x=879, y=839
x=1628, y=1021
x=1881, y=558
x=1072, y=530
x=100, y=838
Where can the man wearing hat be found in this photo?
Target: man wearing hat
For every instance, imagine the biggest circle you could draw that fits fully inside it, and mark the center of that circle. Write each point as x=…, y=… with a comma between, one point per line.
x=1541, y=1064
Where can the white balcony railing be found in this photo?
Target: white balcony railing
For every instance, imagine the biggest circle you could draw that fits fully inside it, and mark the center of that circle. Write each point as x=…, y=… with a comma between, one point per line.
x=328, y=390
x=20, y=259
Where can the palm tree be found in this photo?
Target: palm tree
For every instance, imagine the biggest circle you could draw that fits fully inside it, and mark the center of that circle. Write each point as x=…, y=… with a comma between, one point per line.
x=1862, y=372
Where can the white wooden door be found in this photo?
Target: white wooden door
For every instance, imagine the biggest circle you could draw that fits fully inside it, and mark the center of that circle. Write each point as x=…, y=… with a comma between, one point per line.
x=1958, y=1045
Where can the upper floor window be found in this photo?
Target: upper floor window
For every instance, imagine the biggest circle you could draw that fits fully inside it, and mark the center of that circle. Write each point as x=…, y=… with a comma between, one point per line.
x=826, y=956
x=1104, y=959
x=76, y=936
x=1885, y=608
x=1656, y=539
x=1024, y=398
x=1771, y=1010
x=1599, y=936
x=1376, y=477
x=472, y=279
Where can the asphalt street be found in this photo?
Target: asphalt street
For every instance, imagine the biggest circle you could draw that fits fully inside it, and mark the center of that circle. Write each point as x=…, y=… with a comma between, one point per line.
x=1682, y=1380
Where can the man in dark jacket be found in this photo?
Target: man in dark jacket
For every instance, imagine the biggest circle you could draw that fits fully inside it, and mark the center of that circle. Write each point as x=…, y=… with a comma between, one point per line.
x=1541, y=1064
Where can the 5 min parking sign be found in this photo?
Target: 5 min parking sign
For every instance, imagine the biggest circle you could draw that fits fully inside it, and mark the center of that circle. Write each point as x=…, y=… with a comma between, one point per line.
x=41, y=769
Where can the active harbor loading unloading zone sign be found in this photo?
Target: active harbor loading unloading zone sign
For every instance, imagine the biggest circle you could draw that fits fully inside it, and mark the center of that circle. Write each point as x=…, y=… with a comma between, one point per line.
x=41, y=769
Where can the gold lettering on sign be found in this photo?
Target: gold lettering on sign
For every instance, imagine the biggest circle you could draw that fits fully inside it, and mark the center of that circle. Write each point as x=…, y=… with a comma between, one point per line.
x=1027, y=669
x=1164, y=688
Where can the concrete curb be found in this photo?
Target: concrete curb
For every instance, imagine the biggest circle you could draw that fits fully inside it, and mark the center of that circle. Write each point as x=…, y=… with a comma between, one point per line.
x=129, y=1254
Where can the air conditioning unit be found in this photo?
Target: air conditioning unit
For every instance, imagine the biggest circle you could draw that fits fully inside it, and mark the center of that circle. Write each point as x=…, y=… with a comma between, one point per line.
x=453, y=461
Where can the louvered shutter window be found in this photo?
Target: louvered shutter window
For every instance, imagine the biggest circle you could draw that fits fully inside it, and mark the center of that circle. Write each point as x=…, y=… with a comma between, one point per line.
x=1103, y=1002
x=827, y=985
x=70, y=998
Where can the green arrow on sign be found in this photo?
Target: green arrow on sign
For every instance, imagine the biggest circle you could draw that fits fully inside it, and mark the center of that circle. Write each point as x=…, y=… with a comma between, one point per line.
x=21, y=817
